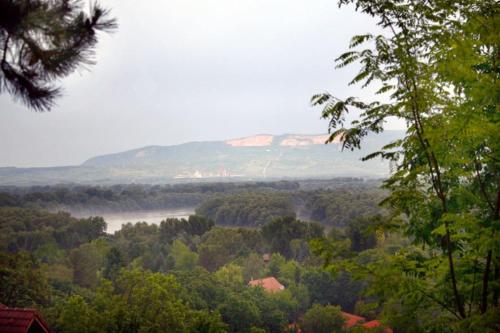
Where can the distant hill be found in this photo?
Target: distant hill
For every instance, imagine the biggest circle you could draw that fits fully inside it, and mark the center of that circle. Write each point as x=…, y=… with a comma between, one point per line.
x=256, y=157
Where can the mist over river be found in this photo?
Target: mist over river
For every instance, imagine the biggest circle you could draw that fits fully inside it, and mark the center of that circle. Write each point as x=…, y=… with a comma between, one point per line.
x=116, y=220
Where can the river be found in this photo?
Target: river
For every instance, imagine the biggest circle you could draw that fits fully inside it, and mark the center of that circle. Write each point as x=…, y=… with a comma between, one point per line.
x=115, y=220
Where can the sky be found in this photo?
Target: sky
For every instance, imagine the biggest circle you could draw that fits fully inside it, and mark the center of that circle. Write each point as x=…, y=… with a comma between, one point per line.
x=177, y=71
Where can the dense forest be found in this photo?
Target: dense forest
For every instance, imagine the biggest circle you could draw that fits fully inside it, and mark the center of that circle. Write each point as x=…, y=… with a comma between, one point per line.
x=196, y=269
x=250, y=204
x=192, y=273
x=127, y=197
x=331, y=207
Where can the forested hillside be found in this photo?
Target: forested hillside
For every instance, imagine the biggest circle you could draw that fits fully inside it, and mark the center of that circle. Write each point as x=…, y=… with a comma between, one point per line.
x=192, y=274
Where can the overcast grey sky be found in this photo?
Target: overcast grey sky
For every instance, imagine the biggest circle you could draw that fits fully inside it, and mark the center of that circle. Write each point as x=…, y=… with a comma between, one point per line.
x=191, y=70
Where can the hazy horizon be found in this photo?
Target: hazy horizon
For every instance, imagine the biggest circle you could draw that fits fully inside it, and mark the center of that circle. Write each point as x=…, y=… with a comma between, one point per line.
x=194, y=71
x=167, y=145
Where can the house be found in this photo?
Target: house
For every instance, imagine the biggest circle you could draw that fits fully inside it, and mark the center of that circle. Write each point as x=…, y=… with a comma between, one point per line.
x=270, y=284
x=375, y=324
x=353, y=320
x=293, y=328
x=17, y=320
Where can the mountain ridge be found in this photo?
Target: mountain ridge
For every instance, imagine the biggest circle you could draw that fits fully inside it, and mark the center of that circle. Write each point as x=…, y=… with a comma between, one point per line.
x=261, y=156
x=320, y=137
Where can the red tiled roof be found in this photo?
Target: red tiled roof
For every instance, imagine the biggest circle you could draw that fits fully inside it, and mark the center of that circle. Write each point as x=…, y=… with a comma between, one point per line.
x=16, y=320
x=351, y=320
x=269, y=284
x=293, y=327
x=374, y=324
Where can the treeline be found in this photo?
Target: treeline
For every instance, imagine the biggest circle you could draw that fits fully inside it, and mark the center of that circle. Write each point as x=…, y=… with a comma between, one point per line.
x=192, y=274
x=247, y=209
x=236, y=204
x=336, y=207
x=32, y=230
x=331, y=207
x=118, y=198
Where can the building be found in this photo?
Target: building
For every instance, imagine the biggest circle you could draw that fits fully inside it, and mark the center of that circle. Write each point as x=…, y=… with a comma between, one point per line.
x=270, y=284
x=293, y=328
x=375, y=324
x=353, y=320
x=17, y=320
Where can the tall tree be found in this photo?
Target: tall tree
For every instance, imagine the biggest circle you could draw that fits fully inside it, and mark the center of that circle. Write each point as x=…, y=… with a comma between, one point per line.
x=323, y=319
x=22, y=282
x=42, y=41
x=436, y=64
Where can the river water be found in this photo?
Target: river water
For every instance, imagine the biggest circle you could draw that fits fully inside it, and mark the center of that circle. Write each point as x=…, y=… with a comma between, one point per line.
x=115, y=220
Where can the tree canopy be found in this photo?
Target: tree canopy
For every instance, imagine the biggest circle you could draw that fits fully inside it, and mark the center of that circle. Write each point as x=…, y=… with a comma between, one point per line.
x=42, y=41
x=435, y=65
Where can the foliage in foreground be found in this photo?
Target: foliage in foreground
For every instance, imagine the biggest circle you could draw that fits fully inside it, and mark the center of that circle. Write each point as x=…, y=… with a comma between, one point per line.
x=42, y=41
x=436, y=64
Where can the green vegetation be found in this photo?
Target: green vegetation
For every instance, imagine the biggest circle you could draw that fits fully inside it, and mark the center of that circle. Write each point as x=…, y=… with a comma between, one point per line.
x=247, y=209
x=250, y=204
x=192, y=274
x=43, y=41
x=120, y=198
x=436, y=64
x=34, y=230
x=428, y=261
x=337, y=207
x=322, y=319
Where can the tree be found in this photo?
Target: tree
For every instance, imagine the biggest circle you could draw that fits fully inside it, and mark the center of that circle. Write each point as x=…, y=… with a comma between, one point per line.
x=42, y=41
x=218, y=247
x=326, y=289
x=86, y=261
x=76, y=307
x=239, y=313
x=196, y=225
x=113, y=262
x=141, y=301
x=22, y=282
x=275, y=263
x=361, y=235
x=253, y=266
x=273, y=308
x=279, y=232
x=204, y=322
x=204, y=290
x=437, y=66
x=230, y=276
x=322, y=319
x=247, y=208
x=184, y=258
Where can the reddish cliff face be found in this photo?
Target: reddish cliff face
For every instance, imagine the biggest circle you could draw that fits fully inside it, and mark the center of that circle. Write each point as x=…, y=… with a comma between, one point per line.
x=290, y=140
